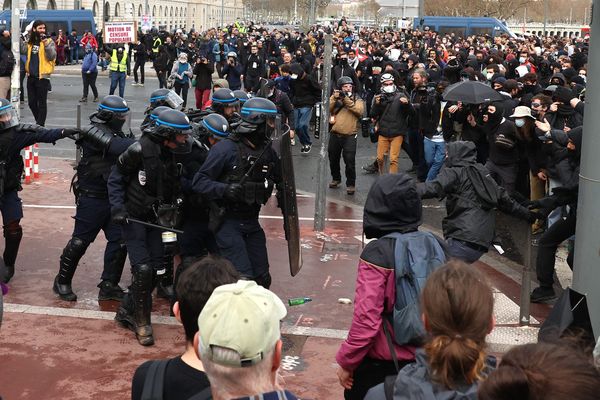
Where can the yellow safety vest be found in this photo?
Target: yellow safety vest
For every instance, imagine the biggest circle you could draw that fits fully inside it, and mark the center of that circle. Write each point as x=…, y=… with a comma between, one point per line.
x=156, y=44
x=115, y=65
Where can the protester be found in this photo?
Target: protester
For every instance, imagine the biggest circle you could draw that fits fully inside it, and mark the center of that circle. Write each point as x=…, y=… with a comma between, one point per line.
x=306, y=93
x=542, y=371
x=458, y=313
x=182, y=72
x=346, y=108
x=140, y=62
x=89, y=73
x=73, y=44
x=203, y=71
x=239, y=342
x=119, y=67
x=7, y=64
x=41, y=56
x=365, y=358
x=184, y=375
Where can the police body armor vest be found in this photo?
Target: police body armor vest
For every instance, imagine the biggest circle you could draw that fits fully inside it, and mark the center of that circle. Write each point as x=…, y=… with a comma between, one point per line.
x=258, y=187
x=155, y=185
x=11, y=167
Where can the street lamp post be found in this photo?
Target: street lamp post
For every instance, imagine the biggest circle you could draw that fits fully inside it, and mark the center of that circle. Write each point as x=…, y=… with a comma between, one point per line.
x=222, y=13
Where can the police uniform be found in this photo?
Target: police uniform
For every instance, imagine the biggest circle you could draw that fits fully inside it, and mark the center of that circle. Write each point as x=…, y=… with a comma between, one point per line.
x=160, y=98
x=13, y=138
x=101, y=143
x=145, y=185
x=239, y=174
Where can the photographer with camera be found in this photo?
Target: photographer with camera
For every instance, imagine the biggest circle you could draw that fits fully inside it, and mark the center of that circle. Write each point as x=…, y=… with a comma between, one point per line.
x=390, y=111
x=203, y=71
x=253, y=70
x=346, y=109
x=233, y=72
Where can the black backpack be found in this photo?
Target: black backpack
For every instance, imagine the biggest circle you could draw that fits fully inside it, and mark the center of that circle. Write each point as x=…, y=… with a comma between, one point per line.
x=155, y=382
x=7, y=63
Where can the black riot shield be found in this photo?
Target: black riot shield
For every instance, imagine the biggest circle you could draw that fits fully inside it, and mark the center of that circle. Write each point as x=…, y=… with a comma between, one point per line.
x=287, y=195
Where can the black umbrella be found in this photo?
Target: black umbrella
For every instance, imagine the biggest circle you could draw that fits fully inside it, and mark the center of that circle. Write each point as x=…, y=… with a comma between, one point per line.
x=569, y=316
x=471, y=92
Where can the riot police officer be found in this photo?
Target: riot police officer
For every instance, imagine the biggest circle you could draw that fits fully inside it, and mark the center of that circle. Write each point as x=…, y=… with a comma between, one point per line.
x=145, y=186
x=101, y=143
x=239, y=174
x=223, y=102
x=197, y=240
x=242, y=98
x=13, y=138
x=161, y=98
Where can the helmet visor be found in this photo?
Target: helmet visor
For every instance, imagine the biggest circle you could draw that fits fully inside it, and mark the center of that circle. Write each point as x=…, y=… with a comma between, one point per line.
x=183, y=142
x=174, y=101
x=8, y=117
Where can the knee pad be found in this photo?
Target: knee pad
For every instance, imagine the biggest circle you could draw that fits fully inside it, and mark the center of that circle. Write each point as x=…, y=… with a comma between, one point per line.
x=75, y=248
x=143, y=274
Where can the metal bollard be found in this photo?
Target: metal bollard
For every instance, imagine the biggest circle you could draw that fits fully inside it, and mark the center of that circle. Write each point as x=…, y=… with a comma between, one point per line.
x=78, y=125
x=525, y=303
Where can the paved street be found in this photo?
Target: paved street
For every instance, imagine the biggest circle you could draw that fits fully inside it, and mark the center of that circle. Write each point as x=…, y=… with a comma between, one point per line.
x=56, y=350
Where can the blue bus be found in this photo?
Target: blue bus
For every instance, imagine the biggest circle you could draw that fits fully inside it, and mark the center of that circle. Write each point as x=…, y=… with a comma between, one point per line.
x=464, y=26
x=66, y=20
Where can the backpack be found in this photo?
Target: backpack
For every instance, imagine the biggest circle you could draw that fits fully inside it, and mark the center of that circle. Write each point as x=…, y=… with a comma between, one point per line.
x=155, y=381
x=484, y=186
x=416, y=255
x=7, y=63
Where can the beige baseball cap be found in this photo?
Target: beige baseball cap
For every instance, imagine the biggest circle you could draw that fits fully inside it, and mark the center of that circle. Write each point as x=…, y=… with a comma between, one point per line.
x=243, y=317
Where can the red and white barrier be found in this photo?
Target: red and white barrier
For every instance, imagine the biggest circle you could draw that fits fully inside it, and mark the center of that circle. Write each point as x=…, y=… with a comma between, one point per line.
x=31, y=159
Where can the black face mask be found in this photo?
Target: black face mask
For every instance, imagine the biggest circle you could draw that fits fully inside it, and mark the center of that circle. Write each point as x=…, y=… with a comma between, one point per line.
x=343, y=61
x=300, y=58
x=495, y=118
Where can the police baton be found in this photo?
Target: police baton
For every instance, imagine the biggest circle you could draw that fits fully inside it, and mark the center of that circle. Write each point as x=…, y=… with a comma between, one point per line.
x=164, y=228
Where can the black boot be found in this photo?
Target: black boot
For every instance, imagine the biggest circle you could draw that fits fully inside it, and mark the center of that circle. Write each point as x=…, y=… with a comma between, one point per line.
x=109, y=287
x=69, y=260
x=136, y=306
x=12, y=239
x=164, y=283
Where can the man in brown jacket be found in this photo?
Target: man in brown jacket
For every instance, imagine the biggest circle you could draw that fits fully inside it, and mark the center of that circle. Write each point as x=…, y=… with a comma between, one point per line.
x=345, y=109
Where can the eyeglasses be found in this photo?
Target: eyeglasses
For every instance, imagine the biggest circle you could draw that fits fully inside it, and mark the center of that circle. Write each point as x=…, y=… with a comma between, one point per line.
x=536, y=105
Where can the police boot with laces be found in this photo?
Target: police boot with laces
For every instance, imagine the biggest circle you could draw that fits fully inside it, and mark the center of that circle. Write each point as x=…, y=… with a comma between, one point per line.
x=110, y=291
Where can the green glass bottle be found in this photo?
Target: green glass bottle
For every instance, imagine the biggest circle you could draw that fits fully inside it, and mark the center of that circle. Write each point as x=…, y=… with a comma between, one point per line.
x=299, y=300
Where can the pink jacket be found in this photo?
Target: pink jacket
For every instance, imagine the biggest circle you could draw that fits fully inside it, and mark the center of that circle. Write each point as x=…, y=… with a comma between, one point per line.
x=375, y=294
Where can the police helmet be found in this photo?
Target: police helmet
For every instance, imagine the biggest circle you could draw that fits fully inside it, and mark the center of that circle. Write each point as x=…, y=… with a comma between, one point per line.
x=257, y=110
x=8, y=115
x=174, y=126
x=344, y=80
x=113, y=110
x=216, y=125
x=222, y=98
x=156, y=112
x=159, y=97
x=241, y=96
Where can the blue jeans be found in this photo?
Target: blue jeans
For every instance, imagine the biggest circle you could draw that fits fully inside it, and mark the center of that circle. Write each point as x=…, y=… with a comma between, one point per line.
x=435, y=154
x=302, y=117
x=117, y=78
x=74, y=54
x=459, y=250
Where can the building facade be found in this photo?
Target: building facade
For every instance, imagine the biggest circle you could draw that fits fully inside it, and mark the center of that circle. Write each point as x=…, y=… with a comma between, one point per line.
x=197, y=14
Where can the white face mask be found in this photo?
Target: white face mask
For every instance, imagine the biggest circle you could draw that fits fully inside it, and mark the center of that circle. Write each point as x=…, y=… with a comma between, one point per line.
x=522, y=60
x=389, y=89
x=519, y=123
x=294, y=76
x=490, y=75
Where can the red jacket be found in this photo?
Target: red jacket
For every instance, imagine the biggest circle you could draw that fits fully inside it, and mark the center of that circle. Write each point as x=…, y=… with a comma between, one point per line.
x=375, y=295
x=91, y=40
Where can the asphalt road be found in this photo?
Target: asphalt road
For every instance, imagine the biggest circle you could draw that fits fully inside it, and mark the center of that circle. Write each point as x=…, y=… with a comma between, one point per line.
x=62, y=112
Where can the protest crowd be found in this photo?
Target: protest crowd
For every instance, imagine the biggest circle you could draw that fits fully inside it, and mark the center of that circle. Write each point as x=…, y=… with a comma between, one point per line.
x=490, y=124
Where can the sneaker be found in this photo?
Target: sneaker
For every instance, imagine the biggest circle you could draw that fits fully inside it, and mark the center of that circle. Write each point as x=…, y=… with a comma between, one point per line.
x=141, y=84
x=542, y=295
x=95, y=100
x=317, y=134
x=334, y=184
x=110, y=291
x=303, y=149
x=135, y=84
x=83, y=100
x=293, y=142
x=351, y=190
x=371, y=168
x=307, y=148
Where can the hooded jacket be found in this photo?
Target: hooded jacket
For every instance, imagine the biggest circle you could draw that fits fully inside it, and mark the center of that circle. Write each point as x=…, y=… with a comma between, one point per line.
x=470, y=218
x=414, y=382
x=393, y=205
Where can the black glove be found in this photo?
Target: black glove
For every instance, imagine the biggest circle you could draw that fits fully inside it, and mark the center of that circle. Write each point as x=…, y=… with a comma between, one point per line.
x=119, y=216
x=71, y=133
x=546, y=202
x=234, y=192
x=534, y=216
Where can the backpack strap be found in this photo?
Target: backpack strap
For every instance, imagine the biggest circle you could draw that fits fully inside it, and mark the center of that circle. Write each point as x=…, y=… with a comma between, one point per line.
x=203, y=395
x=388, y=387
x=390, y=343
x=155, y=380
